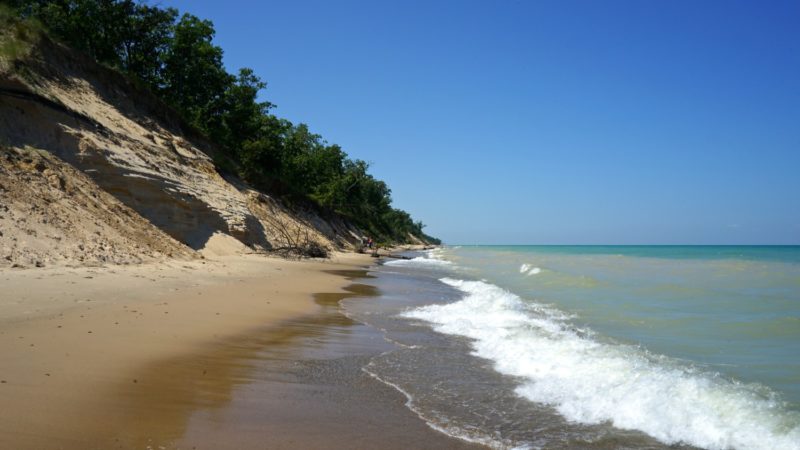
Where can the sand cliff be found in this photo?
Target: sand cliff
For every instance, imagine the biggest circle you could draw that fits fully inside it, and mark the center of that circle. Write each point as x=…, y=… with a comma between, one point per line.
x=94, y=170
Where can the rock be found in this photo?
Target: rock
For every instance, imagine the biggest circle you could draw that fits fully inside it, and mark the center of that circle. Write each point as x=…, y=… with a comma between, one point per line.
x=54, y=180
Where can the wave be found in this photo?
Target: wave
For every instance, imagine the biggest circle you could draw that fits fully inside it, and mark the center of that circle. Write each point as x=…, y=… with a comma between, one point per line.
x=429, y=258
x=529, y=269
x=592, y=382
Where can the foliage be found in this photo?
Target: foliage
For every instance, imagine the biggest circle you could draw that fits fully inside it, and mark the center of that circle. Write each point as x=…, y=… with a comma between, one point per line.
x=176, y=58
x=16, y=37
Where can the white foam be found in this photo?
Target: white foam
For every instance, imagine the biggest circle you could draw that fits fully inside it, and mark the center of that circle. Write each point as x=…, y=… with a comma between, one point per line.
x=419, y=261
x=529, y=270
x=592, y=382
x=429, y=258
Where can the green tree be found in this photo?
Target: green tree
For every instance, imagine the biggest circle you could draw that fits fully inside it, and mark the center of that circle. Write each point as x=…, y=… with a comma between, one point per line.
x=96, y=27
x=261, y=157
x=148, y=37
x=195, y=81
x=242, y=113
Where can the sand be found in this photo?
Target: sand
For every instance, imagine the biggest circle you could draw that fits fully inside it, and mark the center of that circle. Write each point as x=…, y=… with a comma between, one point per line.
x=70, y=336
x=137, y=356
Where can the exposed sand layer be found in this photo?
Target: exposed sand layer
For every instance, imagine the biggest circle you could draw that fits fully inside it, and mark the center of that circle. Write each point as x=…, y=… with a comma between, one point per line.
x=52, y=214
x=94, y=170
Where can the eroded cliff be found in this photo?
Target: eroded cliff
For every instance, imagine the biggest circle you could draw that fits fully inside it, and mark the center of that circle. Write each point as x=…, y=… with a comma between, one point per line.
x=95, y=169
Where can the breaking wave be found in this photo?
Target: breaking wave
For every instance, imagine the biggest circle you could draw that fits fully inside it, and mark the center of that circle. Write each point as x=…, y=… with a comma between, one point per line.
x=591, y=382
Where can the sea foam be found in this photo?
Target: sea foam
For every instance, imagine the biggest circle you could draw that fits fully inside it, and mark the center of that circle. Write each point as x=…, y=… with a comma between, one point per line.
x=591, y=382
x=429, y=258
x=528, y=269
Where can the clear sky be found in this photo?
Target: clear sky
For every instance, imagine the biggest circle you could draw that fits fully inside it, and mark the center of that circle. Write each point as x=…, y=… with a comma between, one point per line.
x=547, y=122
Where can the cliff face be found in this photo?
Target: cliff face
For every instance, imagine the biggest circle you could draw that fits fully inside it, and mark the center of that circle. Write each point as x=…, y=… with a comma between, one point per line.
x=93, y=169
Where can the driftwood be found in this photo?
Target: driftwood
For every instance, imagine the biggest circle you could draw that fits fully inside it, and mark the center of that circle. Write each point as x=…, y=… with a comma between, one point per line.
x=297, y=242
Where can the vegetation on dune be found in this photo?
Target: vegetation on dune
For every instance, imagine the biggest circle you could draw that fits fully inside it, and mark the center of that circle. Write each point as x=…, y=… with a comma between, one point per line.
x=175, y=57
x=15, y=36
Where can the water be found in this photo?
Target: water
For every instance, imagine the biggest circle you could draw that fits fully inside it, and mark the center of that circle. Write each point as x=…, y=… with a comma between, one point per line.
x=596, y=347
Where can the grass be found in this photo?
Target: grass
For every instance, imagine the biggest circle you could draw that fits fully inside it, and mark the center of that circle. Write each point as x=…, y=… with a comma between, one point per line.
x=17, y=36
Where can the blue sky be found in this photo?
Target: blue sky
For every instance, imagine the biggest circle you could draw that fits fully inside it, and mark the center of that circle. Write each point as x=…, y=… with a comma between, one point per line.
x=547, y=122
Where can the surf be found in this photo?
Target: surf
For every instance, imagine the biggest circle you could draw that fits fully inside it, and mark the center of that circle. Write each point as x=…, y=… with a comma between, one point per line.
x=591, y=380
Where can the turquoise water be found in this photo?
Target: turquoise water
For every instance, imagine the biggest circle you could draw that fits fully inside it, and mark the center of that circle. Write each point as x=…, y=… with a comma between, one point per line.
x=777, y=253
x=733, y=309
x=689, y=345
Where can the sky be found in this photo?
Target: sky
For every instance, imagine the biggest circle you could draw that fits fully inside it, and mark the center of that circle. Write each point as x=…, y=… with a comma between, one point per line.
x=547, y=122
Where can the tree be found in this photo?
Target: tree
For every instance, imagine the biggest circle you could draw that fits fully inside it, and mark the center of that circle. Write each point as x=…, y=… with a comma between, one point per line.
x=149, y=34
x=261, y=157
x=243, y=113
x=195, y=81
x=96, y=27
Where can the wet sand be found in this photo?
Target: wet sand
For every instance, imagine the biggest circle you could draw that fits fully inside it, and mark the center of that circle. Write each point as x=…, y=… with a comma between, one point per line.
x=226, y=354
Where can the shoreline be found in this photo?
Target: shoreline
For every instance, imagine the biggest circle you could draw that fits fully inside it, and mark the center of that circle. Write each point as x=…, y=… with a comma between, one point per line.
x=131, y=356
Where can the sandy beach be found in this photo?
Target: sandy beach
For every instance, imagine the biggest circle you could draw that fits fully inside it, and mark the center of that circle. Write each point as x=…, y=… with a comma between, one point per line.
x=158, y=356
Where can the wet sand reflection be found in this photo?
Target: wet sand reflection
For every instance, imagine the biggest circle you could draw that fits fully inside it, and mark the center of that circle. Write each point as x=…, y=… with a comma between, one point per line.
x=296, y=384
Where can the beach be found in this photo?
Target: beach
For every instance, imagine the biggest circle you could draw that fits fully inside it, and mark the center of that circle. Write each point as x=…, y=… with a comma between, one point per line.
x=506, y=225
x=240, y=351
